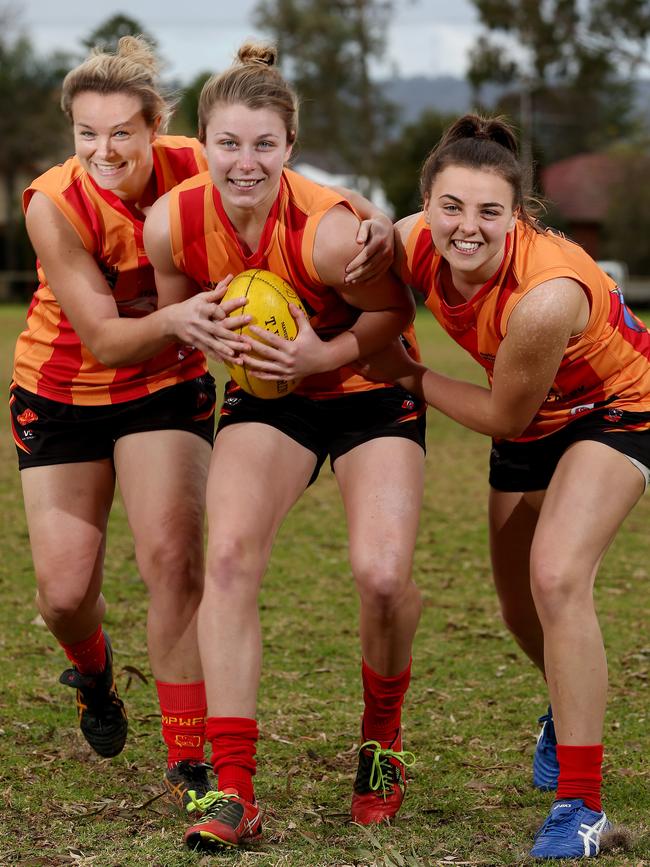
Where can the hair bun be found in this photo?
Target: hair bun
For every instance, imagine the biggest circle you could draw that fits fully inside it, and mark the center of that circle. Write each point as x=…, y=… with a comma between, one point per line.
x=473, y=126
x=259, y=53
x=134, y=49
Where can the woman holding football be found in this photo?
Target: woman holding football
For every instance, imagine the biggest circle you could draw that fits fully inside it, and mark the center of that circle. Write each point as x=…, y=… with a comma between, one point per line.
x=251, y=211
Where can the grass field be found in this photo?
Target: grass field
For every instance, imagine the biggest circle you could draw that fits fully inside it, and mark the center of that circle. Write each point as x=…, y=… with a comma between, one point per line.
x=470, y=715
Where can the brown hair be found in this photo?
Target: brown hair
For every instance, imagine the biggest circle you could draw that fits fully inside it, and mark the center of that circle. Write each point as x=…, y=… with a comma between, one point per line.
x=254, y=81
x=482, y=143
x=132, y=69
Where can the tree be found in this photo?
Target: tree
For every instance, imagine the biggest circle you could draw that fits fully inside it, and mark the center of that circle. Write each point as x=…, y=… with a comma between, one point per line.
x=33, y=129
x=325, y=49
x=565, y=71
x=620, y=29
x=185, y=119
x=108, y=34
x=401, y=159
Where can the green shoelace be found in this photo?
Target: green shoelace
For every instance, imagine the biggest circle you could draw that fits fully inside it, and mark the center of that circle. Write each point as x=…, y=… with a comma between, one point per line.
x=378, y=770
x=208, y=800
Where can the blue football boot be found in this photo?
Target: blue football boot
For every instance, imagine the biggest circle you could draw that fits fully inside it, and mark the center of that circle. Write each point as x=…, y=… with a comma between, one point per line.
x=546, y=768
x=571, y=830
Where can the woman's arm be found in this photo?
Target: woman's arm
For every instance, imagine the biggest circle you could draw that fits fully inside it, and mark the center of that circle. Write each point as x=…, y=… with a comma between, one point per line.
x=212, y=328
x=386, y=304
x=525, y=367
x=375, y=235
x=86, y=298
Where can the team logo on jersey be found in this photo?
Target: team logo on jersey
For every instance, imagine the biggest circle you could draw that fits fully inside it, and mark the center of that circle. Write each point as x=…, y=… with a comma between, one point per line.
x=27, y=417
x=231, y=400
x=629, y=318
x=408, y=404
x=184, y=352
x=614, y=415
x=586, y=407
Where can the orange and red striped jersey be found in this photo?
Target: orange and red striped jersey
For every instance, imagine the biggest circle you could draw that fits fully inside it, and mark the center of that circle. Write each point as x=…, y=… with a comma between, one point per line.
x=206, y=248
x=607, y=364
x=50, y=359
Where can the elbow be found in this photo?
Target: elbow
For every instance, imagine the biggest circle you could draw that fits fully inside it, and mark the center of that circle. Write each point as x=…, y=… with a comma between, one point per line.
x=406, y=311
x=509, y=429
x=109, y=355
x=110, y=359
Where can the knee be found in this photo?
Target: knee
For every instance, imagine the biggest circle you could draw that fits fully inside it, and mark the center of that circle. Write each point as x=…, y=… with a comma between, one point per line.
x=172, y=563
x=554, y=586
x=384, y=582
x=235, y=566
x=62, y=602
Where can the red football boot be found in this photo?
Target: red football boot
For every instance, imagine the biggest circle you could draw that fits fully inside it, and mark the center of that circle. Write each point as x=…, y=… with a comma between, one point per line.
x=228, y=821
x=380, y=783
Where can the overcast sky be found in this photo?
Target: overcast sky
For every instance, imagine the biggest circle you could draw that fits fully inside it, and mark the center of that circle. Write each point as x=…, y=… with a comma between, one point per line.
x=427, y=37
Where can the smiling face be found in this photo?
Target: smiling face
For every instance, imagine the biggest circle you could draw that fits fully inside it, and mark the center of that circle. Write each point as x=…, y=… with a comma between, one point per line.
x=246, y=151
x=470, y=212
x=113, y=141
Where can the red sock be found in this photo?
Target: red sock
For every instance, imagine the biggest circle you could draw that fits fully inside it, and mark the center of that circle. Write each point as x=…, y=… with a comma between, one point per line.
x=581, y=774
x=182, y=714
x=234, y=740
x=88, y=656
x=383, y=698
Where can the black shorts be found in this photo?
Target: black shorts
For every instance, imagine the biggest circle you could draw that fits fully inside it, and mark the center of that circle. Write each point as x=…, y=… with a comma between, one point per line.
x=529, y=466
x=48, y=432
x=331, y=426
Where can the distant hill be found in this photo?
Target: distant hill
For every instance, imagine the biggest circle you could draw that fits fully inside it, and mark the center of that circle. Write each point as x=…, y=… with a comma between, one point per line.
x=449, y=95
x=444, y=94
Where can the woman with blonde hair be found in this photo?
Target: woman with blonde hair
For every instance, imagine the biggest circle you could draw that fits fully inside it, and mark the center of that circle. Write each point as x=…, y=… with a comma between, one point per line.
x=251, y=211
x=106, y=389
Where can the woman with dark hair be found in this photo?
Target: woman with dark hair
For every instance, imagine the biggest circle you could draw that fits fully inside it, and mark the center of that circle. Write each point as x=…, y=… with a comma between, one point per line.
x=568, y=409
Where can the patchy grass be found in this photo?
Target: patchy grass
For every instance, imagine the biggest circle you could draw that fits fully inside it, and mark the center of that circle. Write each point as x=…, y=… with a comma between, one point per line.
x=470, y=714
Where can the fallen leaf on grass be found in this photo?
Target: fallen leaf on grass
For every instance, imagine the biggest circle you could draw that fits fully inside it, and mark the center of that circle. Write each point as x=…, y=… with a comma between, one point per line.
x=629, y=772
x=479, y=786
x=280, y=740
x=132, y=672
x=291, y=773
x=42, y=697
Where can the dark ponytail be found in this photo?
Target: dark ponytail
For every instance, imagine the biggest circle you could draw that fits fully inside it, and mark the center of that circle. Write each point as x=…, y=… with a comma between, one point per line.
x=481, y=143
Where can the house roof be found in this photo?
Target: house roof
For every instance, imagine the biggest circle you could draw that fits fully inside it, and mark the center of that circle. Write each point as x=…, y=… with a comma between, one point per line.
x=578, y=187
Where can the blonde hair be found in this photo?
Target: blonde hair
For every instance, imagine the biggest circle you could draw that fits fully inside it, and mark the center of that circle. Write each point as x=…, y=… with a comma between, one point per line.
x=132, y=69
x=254, y=81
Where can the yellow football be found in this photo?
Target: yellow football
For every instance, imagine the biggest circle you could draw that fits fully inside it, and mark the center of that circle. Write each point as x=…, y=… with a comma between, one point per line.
x=268, y=297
